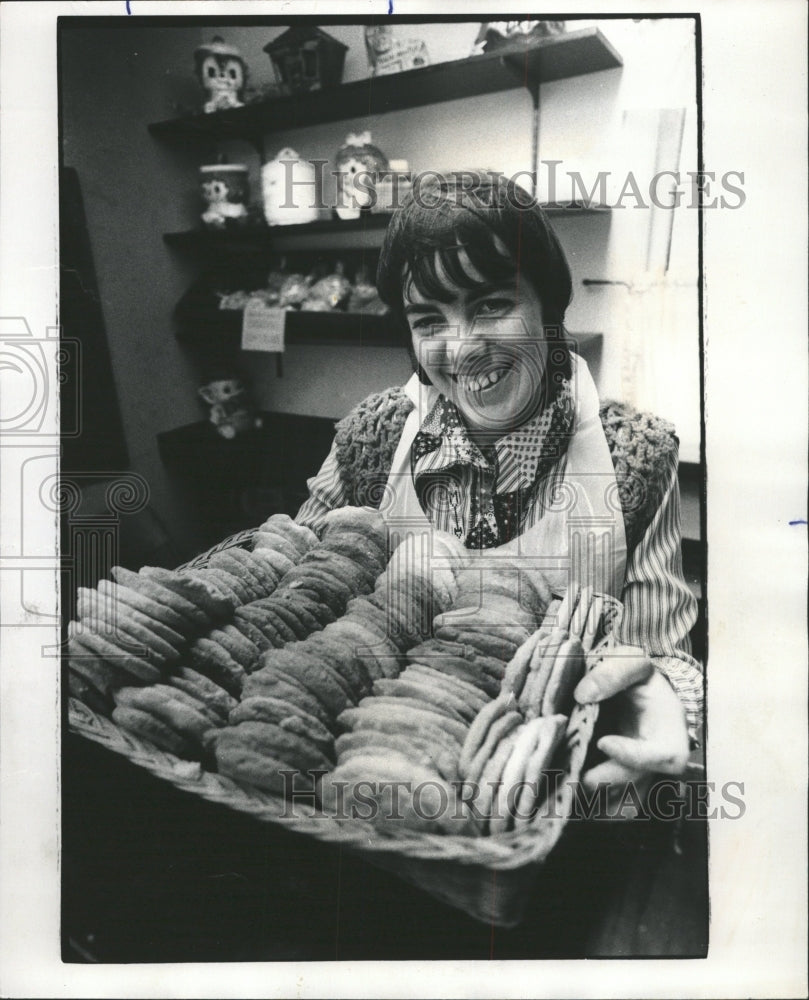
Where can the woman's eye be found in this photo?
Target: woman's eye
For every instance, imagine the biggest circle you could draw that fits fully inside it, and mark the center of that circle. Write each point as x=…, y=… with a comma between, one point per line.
x=427, y=324
x=493, y=307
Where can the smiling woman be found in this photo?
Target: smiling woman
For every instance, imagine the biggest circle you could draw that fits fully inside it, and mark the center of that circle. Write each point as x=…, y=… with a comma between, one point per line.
x=499, y=421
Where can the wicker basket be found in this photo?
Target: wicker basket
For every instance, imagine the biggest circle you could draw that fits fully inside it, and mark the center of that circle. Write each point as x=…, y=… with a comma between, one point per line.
x=489, y=878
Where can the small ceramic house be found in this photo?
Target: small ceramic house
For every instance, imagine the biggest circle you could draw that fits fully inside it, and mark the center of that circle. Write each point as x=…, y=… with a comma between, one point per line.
x=306, y=58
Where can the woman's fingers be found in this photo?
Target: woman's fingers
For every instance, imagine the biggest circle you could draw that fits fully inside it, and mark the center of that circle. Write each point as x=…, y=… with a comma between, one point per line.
x=625, y=791
x=609, y=772
x=664, y=755
x=621, y=668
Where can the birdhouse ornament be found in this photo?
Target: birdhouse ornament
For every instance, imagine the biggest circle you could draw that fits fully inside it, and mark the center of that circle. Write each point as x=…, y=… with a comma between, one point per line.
x=223, y=74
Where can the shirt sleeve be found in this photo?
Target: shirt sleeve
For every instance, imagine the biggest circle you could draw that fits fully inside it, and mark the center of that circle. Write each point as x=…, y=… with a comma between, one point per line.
x=659, y=608
x=326, y=492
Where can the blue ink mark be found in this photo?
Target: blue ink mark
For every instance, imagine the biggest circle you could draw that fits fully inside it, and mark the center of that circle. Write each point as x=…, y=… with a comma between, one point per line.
x=390, y=6
x=127, y=7
x=799, y=521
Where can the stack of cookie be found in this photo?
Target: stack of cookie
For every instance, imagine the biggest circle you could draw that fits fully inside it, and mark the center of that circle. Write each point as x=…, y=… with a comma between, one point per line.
x=336, y=668
x=138, y=628
x=312, y=592
x=517, y=739
x=178, y=717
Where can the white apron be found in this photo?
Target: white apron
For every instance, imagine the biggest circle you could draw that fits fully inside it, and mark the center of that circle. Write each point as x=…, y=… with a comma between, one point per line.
x=580, y=540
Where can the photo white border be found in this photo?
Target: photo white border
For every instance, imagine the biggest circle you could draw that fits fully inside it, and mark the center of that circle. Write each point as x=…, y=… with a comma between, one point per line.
x=754, y=120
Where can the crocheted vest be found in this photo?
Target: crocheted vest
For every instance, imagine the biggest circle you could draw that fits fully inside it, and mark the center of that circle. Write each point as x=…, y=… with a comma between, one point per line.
x=642, y=447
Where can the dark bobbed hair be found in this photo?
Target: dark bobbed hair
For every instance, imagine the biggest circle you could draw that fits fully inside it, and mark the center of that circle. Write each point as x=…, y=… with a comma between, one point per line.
x=472, y=210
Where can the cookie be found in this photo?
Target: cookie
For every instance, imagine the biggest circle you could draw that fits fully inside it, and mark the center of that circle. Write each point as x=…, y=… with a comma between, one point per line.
x=550, y=736
x=286, y=715
x=479, y=729
x=542, y=660
x=213, y=714
x=525, y=743
x=147, y=606
x=498, y=731
x=147, y=727
x=155, y=591
x=422, y=752
x=273, y=683
x=490, y=782
x=315, y=675
x=119, y=660
x=211, y=660
x=170, y=709
x=471, y=696
x=281, y=744
x=425, y=693
x=236, y=760
x=238, y=646
x=275, y=541
x=222, y=704
x=396, y=717
x=196, y=590
x=567, y=671
x=243, y=623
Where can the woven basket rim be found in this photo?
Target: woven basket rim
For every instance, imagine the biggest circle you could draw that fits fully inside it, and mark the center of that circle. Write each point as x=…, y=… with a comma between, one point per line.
x=500, y=851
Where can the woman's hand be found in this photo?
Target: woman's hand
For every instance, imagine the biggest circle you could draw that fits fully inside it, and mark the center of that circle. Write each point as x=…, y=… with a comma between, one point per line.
x=651, y=734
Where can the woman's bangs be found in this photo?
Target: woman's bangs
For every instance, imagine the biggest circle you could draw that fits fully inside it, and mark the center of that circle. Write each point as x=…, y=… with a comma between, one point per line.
x=435, y=266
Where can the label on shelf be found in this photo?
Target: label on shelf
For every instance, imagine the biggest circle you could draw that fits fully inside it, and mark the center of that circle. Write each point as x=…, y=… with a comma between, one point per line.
x=263, y=327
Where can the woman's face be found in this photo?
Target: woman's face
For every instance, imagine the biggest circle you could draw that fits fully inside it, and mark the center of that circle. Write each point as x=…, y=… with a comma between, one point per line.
x=485, y=350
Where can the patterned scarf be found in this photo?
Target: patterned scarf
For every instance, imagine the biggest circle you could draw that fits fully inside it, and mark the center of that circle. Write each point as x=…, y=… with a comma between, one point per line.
x=482, y=496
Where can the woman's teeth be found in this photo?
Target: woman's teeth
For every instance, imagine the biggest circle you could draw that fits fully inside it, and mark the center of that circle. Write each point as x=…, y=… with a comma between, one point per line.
x=476, y=383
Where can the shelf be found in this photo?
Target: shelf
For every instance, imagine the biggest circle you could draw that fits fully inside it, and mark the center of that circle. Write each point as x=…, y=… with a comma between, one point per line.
x=224, y=328
x=282, y=452
x=571, y=54
x=364, y=233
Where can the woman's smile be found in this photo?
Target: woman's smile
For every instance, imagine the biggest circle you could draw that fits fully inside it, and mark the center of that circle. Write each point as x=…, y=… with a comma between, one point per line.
x=483, y=348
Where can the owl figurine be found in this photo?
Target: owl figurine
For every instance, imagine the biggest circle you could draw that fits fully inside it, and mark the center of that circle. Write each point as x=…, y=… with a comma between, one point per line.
x=223, y=74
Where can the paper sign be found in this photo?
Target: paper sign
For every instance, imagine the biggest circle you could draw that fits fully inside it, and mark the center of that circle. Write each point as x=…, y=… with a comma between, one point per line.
x=263, y=327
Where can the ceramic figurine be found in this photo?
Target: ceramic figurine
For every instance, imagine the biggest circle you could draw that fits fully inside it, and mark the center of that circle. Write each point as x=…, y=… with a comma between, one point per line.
x=494, y=35
x=305, y=58
x=285, y=180
x=225, y=191
x=388, y=54
x=223, y=74
x=231, y=412
x=358, y=162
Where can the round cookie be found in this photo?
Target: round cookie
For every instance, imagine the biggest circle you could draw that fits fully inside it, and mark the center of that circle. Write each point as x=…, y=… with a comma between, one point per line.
x=147, y=727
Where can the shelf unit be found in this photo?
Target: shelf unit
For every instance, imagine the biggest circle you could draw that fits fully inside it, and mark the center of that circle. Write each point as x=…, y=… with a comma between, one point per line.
x=367, y=232
x=573, y=53
x=223, y=329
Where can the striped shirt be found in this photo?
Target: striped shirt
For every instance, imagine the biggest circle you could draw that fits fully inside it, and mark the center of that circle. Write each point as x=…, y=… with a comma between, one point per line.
x=486, y=500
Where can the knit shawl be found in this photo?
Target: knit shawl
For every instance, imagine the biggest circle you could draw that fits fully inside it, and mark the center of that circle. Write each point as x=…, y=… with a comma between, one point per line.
x=643, y=448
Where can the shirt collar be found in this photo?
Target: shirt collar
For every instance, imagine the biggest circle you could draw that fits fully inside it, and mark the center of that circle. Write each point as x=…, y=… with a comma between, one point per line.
x=443, y=441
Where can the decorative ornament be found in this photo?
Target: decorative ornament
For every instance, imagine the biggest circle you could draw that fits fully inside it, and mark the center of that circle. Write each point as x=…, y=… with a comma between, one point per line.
x=306, y=58
x=231, y=410
x=225, y=191
x=494, y=35
x=358, y=163
x=388, y=54
x=222, y=72
x=288, y=187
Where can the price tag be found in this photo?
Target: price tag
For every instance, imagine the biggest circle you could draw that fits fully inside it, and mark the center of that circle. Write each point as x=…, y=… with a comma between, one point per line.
x=263, y=327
